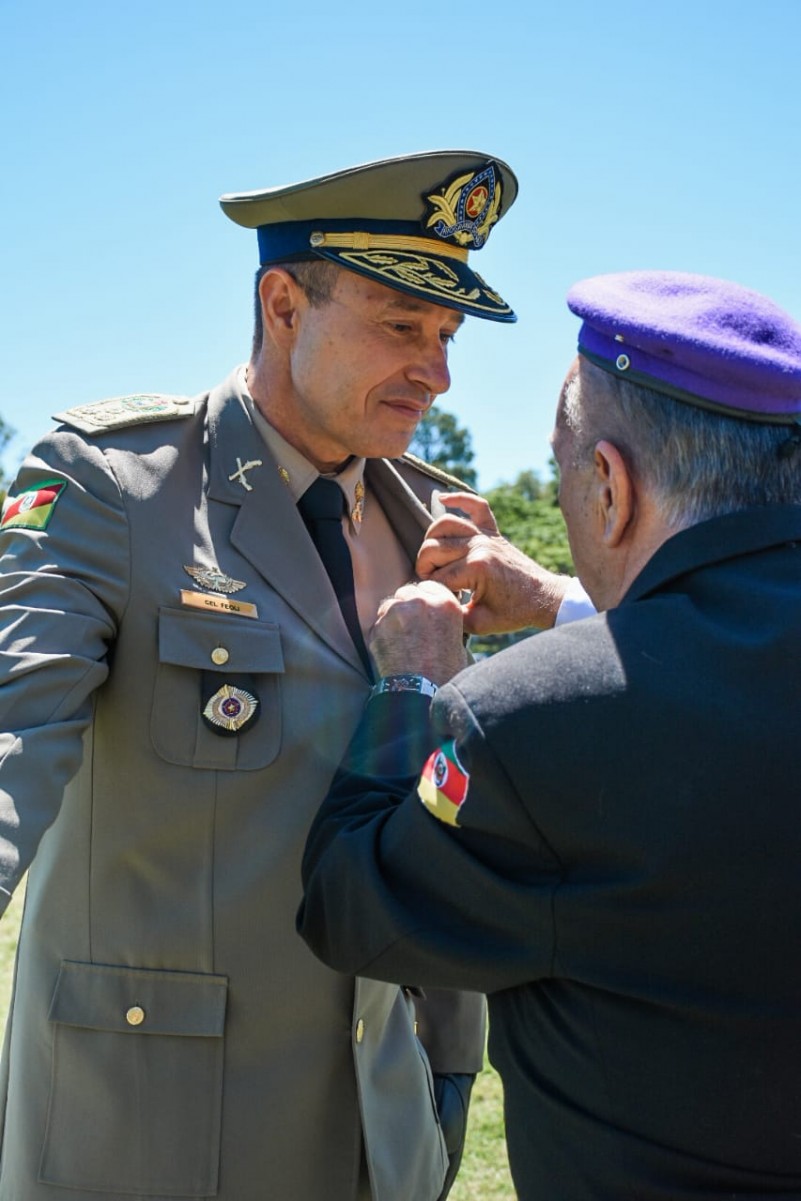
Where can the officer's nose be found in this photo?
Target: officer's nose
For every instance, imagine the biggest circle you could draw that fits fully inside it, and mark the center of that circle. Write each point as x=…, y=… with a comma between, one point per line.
x=431, y=371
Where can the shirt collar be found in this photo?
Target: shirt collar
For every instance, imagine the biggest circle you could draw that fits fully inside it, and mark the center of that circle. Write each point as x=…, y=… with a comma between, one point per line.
x=298, y=473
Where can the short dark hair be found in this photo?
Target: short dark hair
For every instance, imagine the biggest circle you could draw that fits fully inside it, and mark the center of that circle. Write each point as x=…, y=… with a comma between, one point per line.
x=316, y=277
x=698, y=463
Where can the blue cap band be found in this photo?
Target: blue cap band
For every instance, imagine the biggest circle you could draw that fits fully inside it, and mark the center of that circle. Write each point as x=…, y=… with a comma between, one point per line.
x=287, y=239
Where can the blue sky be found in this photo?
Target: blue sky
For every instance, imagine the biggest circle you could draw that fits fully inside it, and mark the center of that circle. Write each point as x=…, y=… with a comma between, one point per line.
x=644, y=134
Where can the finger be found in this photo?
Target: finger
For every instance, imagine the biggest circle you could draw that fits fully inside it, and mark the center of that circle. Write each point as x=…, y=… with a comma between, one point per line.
x=476, y=508
x=455, y=576
x=452, y=525
x=399, y=596
x=434, y=591
x=422, y=592
x=479, y=619
x=436, y=553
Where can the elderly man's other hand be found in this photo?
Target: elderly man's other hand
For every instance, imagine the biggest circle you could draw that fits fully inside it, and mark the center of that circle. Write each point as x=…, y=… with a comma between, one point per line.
x=467, y=553
x=419, y=630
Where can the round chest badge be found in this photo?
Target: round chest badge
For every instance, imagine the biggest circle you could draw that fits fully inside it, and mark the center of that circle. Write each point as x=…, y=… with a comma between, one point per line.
x=230, y=709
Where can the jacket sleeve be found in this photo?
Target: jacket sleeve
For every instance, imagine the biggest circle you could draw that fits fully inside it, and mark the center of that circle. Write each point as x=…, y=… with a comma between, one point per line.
x=62, y=590
x=452, y=1028
x=393, y=892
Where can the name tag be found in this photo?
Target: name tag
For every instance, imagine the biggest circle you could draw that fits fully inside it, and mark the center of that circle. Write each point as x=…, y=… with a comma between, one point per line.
x=218, y=604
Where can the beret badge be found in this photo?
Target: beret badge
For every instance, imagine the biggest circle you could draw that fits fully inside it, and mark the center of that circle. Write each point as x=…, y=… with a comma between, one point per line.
x=467, y=208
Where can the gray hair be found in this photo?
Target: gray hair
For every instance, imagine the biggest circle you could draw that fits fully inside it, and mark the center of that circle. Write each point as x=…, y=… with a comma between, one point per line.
x=315, y=276
x=697, y=463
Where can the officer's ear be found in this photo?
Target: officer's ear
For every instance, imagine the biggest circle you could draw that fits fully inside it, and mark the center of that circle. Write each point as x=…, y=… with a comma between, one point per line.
x=615, y=493
x=282, y=300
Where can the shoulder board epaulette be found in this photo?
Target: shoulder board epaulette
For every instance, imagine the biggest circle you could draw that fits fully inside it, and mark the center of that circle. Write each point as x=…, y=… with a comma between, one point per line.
x=436, y=473
x=120, y=411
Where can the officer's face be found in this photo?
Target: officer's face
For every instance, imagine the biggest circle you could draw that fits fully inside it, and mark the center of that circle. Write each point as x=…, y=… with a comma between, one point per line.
x=364, y=368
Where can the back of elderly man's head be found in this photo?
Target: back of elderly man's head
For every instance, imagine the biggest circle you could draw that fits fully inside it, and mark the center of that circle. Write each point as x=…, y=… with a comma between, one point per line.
x=697, y=382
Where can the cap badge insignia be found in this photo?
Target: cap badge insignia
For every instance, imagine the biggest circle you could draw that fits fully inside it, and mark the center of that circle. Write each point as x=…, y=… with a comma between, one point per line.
x=230, y=709
x=357, y=512
x=241, y=468
x=467, y=209
x=214, y=580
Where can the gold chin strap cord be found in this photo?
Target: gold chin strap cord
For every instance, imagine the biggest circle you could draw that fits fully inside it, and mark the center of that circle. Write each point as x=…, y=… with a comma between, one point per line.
x=364, y=241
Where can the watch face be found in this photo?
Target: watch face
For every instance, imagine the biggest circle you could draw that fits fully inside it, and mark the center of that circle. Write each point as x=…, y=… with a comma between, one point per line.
x=403, y=684
x=410, y=683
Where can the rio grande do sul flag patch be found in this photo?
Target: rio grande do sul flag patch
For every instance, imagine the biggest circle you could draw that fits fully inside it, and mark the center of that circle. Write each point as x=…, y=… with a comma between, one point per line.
x=33, y=508
x=443, y=784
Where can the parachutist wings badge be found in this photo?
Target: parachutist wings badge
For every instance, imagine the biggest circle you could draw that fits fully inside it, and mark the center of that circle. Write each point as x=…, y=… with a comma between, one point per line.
x=214, y=580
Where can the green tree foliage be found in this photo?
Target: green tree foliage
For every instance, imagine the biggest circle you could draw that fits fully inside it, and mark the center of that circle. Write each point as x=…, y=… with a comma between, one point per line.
x=444, y=444
x=6, y=434
x=528, y=514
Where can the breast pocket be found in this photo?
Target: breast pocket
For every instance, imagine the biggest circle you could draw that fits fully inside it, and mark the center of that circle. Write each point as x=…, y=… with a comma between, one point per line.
x=195, y=648
x=136, y=1087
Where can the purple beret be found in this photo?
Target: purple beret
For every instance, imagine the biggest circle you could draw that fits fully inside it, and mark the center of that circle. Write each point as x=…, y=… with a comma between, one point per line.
x=698, y=339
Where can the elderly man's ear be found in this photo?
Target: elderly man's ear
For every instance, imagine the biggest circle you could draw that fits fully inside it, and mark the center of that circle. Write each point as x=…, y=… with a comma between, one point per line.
x=614, y=492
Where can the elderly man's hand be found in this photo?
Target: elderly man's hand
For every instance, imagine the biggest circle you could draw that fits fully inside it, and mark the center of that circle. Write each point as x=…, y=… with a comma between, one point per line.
x=419, y=630
x=509, y=591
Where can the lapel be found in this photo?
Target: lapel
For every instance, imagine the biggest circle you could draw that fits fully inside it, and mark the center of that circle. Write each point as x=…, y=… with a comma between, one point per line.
x=268, y=530
x=407, y=515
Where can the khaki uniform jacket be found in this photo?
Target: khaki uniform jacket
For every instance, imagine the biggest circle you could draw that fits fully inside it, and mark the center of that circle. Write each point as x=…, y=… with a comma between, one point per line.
x=171, y=1035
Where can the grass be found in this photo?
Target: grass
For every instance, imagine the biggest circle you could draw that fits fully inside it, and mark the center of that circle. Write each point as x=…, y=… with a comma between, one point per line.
x=9, y=927
x=484, y=1175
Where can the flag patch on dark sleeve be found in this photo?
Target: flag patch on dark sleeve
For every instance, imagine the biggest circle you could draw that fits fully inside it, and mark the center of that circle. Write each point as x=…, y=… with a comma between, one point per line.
x=443, y=784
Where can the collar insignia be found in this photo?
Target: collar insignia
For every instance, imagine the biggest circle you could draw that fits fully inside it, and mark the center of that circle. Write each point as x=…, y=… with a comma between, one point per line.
x=357, y=512
x=466, y=209
x=241, y=468
x=214, y=580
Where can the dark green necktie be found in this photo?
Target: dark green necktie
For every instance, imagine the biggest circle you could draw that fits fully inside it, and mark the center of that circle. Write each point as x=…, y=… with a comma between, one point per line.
x=321, y=508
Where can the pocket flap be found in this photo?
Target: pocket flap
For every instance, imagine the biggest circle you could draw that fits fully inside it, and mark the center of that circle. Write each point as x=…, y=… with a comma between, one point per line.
x=139, y=1000
x=189, y=639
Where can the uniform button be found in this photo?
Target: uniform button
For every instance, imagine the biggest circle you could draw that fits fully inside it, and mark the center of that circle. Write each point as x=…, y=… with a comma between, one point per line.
x=359, y=1030
x=219, y=655
x=135, y=1015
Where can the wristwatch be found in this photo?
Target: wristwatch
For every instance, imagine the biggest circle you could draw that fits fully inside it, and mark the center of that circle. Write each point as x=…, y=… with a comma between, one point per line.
x=404, y=683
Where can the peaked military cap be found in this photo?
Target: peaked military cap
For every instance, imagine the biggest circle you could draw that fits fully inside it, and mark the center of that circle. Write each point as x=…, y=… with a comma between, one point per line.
x=702, y=340
x=408, y=222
